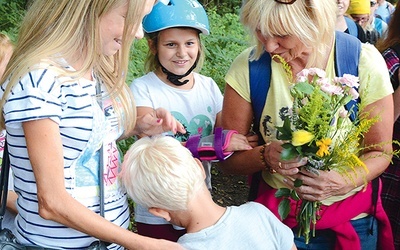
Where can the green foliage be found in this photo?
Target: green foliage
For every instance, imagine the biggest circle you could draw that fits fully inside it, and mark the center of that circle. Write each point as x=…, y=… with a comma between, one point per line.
x=137, y=58
x=11, y=14
x=222, y=6
x=226, y=40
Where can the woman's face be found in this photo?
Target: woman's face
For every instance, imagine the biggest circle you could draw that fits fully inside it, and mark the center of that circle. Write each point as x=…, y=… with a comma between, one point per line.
x=343, y=5
x=177, y=49
x=288, y=47
x=112, y=27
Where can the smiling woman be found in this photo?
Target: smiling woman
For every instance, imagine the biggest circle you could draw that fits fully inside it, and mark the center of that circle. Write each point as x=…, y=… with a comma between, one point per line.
x=303, y=34
x=64, y=104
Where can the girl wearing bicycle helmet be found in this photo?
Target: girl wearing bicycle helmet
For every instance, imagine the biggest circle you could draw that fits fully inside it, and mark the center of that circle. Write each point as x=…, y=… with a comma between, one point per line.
x=175, y=56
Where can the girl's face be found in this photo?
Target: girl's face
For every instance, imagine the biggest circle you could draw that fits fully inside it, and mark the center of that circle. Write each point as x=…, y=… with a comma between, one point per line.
x=112, y=27
x=177, y=49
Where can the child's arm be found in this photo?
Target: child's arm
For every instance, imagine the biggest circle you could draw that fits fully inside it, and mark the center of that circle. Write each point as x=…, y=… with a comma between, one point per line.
x=217, y=147
x=238, y=142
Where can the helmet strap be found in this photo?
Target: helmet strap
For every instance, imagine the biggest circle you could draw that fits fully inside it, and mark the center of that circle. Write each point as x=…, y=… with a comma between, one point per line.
x=175, y=78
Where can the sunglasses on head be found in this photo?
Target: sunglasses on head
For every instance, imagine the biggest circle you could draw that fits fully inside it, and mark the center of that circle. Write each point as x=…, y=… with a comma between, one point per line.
x=285, y=1
x=373, y=3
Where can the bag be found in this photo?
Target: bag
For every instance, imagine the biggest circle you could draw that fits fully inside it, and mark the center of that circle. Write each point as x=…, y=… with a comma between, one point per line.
x=8, y=241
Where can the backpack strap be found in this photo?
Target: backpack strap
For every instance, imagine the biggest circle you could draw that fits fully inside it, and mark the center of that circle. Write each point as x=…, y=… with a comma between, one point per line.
x=347, y=57
x=378, y=26
x=260, y=78
x=351, y=26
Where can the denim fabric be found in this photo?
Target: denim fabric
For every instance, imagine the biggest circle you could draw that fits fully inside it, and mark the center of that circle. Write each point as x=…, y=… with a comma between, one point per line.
x=325, y=239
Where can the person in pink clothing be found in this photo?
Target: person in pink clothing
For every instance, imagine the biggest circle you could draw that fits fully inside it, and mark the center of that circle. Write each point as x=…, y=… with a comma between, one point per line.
x=302, y=32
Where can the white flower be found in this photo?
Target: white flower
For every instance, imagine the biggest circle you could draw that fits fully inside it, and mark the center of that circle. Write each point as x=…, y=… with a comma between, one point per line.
x=316, y=71
x=331, y=89
x=354, y=93
x=348, y=80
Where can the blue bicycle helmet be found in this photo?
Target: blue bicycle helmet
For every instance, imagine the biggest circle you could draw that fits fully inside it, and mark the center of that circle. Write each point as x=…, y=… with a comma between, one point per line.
x=176, y=13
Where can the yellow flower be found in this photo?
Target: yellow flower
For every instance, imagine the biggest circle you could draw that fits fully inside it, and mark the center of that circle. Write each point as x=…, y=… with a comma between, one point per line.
x=360, y=162
x=301, y=137
x=323, y=145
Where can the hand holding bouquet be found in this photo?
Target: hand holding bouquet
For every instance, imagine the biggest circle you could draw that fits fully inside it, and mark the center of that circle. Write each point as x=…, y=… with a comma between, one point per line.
x=318, y=127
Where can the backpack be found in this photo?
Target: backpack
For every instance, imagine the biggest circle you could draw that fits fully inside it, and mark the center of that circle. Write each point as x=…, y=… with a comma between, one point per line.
x=347, y=55
x=351, y=26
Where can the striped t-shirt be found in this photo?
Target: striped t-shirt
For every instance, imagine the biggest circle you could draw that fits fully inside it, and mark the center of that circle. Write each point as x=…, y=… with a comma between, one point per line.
x=43, y=94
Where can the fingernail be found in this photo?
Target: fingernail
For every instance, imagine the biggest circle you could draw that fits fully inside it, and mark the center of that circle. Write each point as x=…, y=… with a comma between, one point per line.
x=295, y=171
x=159, y=120
x=284, y=180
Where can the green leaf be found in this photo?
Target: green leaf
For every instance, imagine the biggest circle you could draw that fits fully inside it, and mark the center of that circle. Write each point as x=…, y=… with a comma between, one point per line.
x=298, y=183
x=294, y=195
x=285, y=132
x=304, y=87
x=289, y=153
x=282, y=192
x=284, y=208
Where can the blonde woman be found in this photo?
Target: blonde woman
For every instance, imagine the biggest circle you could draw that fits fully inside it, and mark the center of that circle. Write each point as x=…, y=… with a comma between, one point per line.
x=302, y=32
x=56, y=126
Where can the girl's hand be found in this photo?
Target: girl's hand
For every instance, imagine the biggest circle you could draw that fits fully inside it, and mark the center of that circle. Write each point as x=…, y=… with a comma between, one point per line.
x=157, y=121
x=238, y=142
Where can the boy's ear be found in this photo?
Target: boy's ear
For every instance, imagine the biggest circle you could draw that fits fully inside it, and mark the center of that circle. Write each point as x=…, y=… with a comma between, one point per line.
x=159, y=212
x=201, y=167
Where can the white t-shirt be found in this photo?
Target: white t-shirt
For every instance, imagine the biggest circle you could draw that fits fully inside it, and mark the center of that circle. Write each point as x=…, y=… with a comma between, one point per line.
x=196, y=109
x=43, y=94
x=249, y=226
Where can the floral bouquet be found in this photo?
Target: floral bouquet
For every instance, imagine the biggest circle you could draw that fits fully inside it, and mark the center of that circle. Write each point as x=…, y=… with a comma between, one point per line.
x=318, y=127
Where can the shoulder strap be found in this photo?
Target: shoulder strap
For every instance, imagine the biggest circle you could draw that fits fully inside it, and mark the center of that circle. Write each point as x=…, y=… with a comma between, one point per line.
x=259, y=77
x=378, y=25
x=5, y=168
x=347, y=55
x=351, y=25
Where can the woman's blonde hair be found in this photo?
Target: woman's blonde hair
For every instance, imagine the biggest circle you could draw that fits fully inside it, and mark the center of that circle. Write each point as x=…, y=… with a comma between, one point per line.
x=152, y=63
x=69, y=28
x=312, y=21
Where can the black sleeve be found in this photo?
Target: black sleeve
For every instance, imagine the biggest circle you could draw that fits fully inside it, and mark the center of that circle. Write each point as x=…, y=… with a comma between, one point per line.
x=361, y=34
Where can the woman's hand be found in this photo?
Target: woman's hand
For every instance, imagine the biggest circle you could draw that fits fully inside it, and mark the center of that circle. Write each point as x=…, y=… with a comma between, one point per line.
x=319, y=185
x=156, y=121
x=272, y=156
x=252, y=138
